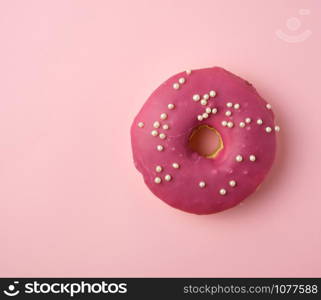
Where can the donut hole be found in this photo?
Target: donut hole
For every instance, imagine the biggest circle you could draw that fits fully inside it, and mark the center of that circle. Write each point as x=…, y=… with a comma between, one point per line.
x=206, y=141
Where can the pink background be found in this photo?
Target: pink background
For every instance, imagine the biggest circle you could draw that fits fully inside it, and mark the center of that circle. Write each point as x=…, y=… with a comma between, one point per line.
x=74, y=74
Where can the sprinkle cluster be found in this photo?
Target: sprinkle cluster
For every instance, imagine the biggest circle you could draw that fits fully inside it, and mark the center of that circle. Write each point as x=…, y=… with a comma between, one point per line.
x=229, y=113
x=177, y=85
x=167, y=177
x=156, y=132
x=203, y=100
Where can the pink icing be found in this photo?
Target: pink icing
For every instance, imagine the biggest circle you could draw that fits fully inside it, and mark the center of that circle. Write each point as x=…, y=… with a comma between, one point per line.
x=183, y=190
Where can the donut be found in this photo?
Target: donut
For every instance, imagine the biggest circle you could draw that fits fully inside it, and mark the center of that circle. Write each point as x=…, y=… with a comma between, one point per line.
x=222, y=102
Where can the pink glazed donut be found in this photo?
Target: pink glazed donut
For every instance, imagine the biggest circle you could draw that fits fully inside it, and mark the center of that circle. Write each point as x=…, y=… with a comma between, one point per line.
x=228, y=105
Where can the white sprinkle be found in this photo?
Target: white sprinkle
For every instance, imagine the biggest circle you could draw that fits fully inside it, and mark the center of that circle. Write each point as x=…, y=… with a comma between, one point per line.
x=252, y=157
x=175, y=165
x=229, y=104
x=236, y=106
x=214, y=110
x=157, y=180
x=277, y=128
x=232, y=183
x=165, y=126
x=158, y=169
x=200, y=118
x=230, y=124
x=259, y=121
x=242, y=124
x=141, y=124
x=156, y=124
x=162, y=136
x=176, y=86
x=206, y=96
x=223, y=192
x=228, y=113
x=163, y=116
x=204, y=102
x=188, y=72
x=171, y=106
x=154, y=133
x=181, y=80
x=205, y=115
x=224, y=123
x=268, y=106
x=239, y=158
x=208, y=110
x=268, y=129
x=196, y=97
x=202, y=184
x=212, y=93
x=248, y=120
x=168, y=177
x=160, y=148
